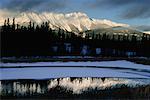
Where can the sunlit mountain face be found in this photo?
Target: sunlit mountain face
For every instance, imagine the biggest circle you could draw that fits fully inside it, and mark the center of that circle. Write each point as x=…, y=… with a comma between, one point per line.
x=70, y=21
x=134, y=13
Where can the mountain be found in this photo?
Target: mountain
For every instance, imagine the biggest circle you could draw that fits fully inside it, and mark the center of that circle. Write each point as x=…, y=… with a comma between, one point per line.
x=115, y=30
x=76, y=22
x=147, y=32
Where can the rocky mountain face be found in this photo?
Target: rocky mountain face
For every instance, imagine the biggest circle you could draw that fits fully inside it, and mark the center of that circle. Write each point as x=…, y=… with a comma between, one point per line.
x=76, y=22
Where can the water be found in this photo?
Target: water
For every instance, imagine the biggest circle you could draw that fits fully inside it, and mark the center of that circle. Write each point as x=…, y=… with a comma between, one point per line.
x=73, y=86
x=81, y=80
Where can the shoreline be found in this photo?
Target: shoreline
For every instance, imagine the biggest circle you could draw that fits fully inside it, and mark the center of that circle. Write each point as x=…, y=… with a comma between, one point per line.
x=138, y=60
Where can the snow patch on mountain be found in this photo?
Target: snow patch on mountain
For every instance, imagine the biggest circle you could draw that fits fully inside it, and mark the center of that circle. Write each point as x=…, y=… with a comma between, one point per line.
x=147, y=32
x=1, y=21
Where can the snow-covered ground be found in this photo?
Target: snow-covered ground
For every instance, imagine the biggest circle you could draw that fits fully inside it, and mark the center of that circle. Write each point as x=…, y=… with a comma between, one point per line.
x=83, y=69
x=118, y=63
x=57, y=72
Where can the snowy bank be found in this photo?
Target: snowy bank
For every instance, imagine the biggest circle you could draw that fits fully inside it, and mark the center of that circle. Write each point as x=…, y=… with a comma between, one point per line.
x=118, y=63
x=47, y=70
x=58, y=72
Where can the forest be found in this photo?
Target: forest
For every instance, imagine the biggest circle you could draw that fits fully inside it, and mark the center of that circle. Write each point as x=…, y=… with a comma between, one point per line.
x=41, y=40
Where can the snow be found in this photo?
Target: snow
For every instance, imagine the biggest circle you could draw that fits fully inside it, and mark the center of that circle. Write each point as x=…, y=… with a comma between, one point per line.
x=44, y=70
x=58, y=72
x=109, y=23
x=147, y=32
x=115, y=76
x=78, y=19
x=118, y=63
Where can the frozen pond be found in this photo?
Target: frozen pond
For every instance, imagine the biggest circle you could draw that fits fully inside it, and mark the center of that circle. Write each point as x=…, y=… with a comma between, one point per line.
x=46, y=70
x=58, y=72
x=59, y=79
x=118, y=64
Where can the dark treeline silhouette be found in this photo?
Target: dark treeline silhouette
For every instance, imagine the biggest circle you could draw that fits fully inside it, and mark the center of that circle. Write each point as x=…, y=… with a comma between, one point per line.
x=41, y=40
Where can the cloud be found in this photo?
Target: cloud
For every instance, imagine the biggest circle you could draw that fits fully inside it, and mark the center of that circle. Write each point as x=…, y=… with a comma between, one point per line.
x=5, y=13
x=139, y=11
x=144, y=27
x=25, y=5
x=110, y=3
x=131, y=8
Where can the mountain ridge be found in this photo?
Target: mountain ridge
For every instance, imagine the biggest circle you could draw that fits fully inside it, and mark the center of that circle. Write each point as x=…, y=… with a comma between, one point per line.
x=80, y=21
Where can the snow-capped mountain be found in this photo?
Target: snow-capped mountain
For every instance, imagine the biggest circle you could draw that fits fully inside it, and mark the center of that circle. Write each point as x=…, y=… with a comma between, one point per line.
x=147, y=32
x=76, y=22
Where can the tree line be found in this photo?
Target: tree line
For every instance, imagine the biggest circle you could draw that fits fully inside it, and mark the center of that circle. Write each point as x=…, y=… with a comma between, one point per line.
x=40, y=40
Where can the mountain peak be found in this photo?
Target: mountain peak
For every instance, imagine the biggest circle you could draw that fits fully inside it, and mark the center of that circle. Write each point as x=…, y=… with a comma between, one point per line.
x=69, y=21
x=76, y=14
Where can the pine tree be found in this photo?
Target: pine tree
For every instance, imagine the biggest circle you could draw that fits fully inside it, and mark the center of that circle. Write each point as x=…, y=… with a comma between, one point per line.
x=13, y=24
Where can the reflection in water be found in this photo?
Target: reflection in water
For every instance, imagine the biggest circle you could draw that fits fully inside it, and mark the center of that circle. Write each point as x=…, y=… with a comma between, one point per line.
x=74, y=85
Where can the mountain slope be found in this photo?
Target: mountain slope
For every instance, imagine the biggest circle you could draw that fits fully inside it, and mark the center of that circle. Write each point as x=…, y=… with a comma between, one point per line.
x=76, y=22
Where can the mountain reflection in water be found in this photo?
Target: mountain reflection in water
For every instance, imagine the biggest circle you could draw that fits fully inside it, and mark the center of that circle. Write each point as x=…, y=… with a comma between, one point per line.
x=72, y=86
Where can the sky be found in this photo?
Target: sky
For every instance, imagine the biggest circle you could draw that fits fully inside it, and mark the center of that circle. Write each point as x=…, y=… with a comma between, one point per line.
x=132, y=12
